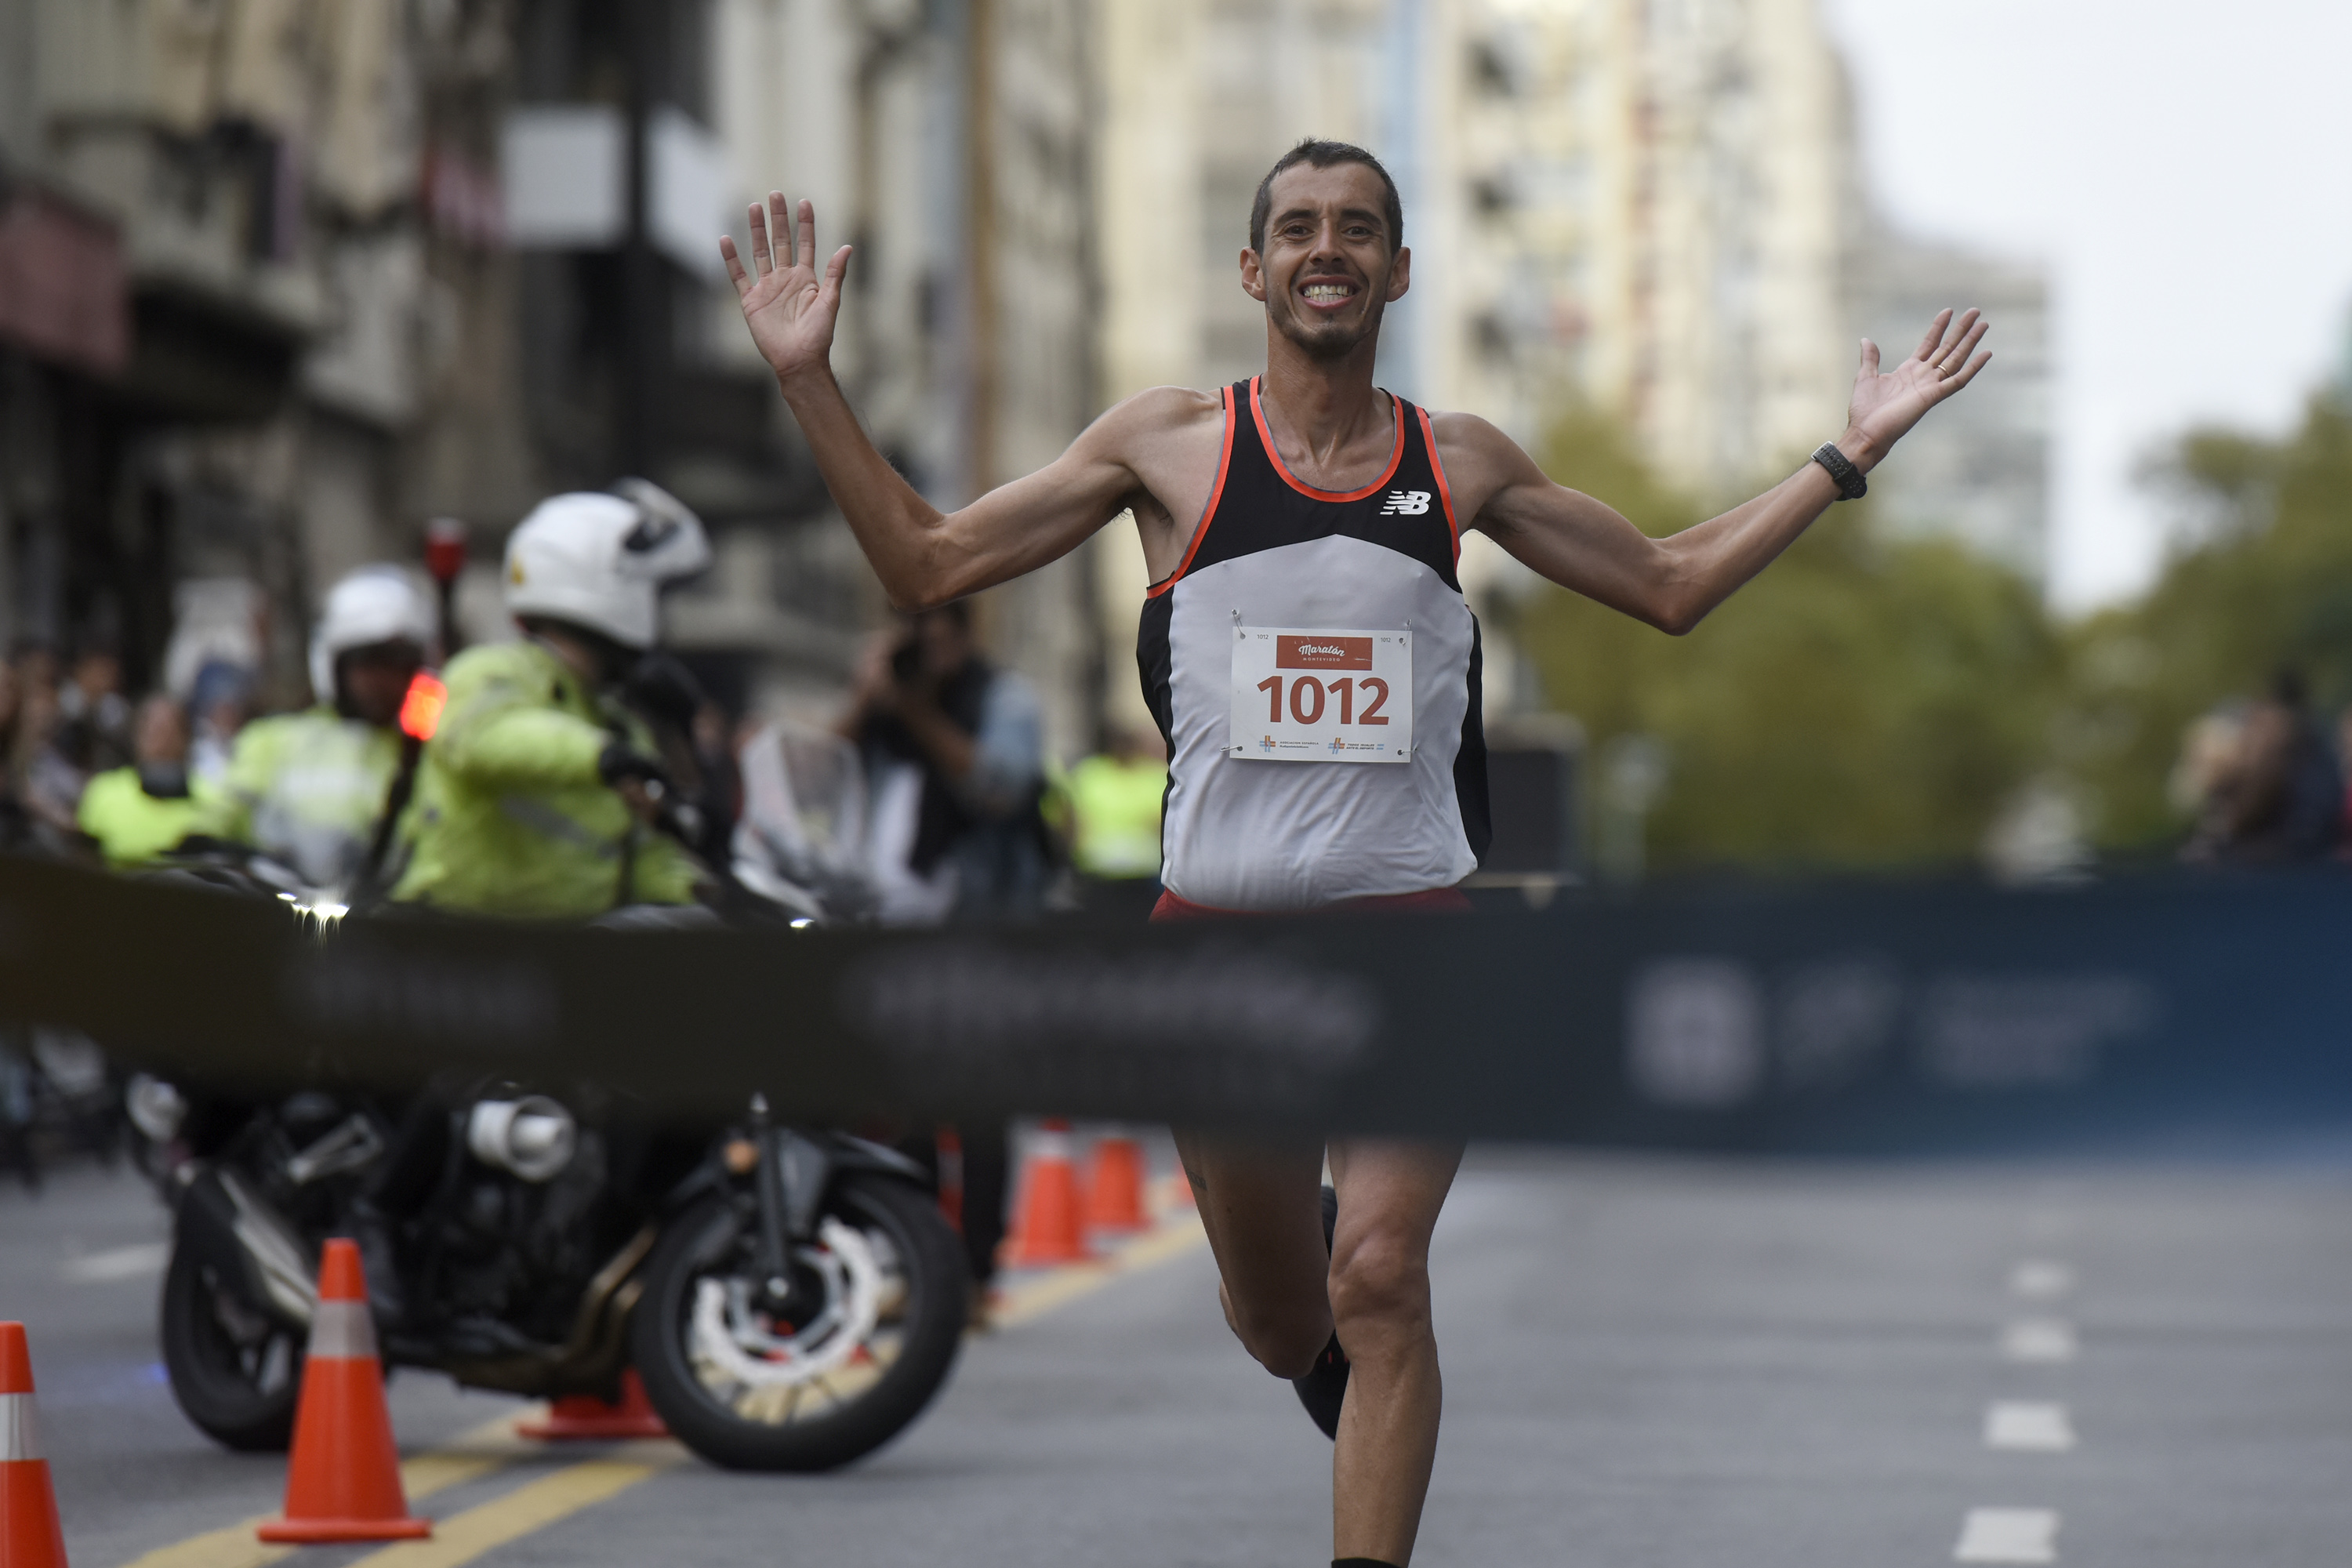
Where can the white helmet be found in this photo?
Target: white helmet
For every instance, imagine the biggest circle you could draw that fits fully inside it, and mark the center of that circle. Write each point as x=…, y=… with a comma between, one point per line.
x=373, y=604
x=599, y=560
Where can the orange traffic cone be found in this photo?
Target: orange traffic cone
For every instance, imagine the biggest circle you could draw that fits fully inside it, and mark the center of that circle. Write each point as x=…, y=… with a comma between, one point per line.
x=584, y=1416
x=29, y=1534
x=1045, y=1228
x=1115, y=1185
x=344, y=1482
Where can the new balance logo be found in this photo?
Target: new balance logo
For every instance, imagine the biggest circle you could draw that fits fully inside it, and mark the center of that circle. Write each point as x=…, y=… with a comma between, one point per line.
x=1406, y=503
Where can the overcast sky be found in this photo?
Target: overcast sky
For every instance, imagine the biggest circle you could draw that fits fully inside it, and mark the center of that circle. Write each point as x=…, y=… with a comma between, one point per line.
x=2179, y=165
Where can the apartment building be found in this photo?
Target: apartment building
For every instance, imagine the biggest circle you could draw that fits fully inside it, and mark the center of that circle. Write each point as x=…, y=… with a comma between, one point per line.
x=950, y=144
x=1978, y=471
x=311, y=273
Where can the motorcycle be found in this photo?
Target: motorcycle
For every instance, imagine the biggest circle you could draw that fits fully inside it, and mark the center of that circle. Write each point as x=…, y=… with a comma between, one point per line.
x=790, y=1298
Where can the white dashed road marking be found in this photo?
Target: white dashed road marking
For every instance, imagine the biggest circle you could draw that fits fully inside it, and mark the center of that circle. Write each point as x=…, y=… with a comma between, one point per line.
x=2039, y=1280
x=2007, y=1535
x=2039, y=1340
x=116, y=1263
x=2030, y=1428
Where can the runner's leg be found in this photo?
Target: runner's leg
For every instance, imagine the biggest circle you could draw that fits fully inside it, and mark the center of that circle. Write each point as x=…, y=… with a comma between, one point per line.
x=1260, y=1203
x=1389, y=1195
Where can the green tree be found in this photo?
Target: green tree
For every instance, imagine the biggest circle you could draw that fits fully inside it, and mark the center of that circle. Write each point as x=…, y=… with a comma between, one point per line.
x=1868, y=701
x=2261, y=582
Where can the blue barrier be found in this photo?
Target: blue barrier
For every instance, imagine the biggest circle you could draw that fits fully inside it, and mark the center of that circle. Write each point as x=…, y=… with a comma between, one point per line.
x=2173, y=1013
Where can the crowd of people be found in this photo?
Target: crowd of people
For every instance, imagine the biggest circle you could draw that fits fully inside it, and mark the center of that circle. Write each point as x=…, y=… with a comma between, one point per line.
x=966, y=816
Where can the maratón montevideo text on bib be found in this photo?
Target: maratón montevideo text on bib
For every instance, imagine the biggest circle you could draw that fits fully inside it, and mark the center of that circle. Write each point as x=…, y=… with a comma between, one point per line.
x=1313, y=695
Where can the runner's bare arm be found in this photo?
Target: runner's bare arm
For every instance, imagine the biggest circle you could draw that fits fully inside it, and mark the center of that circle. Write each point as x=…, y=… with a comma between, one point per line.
x=925, y=556
x=1673, y=583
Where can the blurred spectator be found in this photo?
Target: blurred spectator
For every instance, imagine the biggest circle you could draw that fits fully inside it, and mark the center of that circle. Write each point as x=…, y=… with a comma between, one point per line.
x=36, y=664
x=954, y=756
x=138, y=811
x=15, y=828
x=2275, y=796
x=221, y=704
x=2209, y=751
x=94, y=718
x=1115, y=800
x=48, y=785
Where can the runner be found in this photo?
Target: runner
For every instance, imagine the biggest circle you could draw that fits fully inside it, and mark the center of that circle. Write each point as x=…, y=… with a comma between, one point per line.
x=1312, y=665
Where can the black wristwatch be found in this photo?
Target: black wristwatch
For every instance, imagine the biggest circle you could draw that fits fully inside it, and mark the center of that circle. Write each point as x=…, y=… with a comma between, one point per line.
x=1850, y=484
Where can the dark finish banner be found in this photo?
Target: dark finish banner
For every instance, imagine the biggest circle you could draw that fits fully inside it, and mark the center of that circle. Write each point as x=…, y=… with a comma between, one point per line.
x=2175, y=1014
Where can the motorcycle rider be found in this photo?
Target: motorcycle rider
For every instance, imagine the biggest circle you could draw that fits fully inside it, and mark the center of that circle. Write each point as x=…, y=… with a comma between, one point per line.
x=537, y=795
x=139, y=812
x=308, y=789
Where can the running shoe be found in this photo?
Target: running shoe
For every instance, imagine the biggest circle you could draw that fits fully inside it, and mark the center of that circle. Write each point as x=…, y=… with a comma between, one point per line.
x=1323, y=1390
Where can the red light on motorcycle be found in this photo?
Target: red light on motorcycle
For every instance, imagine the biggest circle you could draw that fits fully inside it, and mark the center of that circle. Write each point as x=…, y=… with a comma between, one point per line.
x=445, y=549
x=420, y=711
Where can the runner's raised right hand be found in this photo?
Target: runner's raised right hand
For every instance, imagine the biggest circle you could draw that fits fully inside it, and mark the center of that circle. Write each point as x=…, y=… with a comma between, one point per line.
x=790, y=310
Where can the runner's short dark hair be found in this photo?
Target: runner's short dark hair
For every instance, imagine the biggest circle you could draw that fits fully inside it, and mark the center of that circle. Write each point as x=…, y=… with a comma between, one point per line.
x=1321, y=154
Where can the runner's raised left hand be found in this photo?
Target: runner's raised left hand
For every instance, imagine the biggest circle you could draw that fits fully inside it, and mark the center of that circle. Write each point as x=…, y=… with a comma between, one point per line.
x=1885, y=407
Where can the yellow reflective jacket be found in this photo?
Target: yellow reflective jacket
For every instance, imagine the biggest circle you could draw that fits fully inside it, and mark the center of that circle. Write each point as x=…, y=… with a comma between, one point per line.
x=131, y=825
x=307, y=789
x=509, y=817
x=1117, y=807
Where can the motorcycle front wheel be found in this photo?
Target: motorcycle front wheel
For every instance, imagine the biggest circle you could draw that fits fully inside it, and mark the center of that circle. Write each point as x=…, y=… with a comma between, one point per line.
x=834, y=1368
x=235, y=1370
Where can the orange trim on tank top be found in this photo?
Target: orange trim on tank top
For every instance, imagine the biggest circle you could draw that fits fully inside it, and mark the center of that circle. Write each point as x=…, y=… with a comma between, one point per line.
x=1208, y=512
x=1257, y=412
x=1444, y=492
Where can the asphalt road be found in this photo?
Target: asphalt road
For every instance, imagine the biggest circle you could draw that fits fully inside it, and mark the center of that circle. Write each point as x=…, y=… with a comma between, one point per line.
x=1647, y=1362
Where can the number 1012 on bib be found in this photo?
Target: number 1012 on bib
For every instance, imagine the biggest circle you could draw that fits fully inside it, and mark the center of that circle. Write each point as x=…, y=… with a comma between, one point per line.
x=1303, y=696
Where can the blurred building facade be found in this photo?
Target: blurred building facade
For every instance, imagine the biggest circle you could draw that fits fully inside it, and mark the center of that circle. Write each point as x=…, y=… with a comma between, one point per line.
x=1978, y=470
x=949, y=144
x=1654, y=210
x=287, y=277
x=1643, y=205
x=300, y=209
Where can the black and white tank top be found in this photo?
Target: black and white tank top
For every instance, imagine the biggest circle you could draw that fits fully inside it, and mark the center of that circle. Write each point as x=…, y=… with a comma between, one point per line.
x=1315, y=671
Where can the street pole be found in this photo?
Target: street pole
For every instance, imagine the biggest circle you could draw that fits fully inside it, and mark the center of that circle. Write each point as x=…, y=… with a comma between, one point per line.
x=444, y=563
x=979, y=195
x=643, y=313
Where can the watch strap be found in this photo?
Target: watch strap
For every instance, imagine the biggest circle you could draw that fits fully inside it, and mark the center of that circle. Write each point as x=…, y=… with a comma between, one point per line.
x=1849, y=480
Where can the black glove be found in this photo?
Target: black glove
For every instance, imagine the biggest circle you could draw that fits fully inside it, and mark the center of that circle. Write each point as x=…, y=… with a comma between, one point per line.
x=620, y=761
x=662, y=688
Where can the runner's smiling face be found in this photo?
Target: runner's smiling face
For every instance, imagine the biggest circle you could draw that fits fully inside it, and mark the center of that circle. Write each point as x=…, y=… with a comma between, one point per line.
x=1329, y=267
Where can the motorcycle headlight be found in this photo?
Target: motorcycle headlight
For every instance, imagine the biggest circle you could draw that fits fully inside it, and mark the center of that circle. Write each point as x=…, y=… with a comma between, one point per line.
x=533, y=1137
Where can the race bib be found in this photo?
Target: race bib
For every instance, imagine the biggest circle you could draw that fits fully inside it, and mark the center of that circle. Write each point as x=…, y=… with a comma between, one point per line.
x=1321, y=697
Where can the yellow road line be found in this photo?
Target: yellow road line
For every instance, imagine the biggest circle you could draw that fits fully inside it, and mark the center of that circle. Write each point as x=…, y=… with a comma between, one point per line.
x=233, y=1546
x=490, y=1446
x=486, y=1526
x=473, y=1453
x=1032, y=1300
